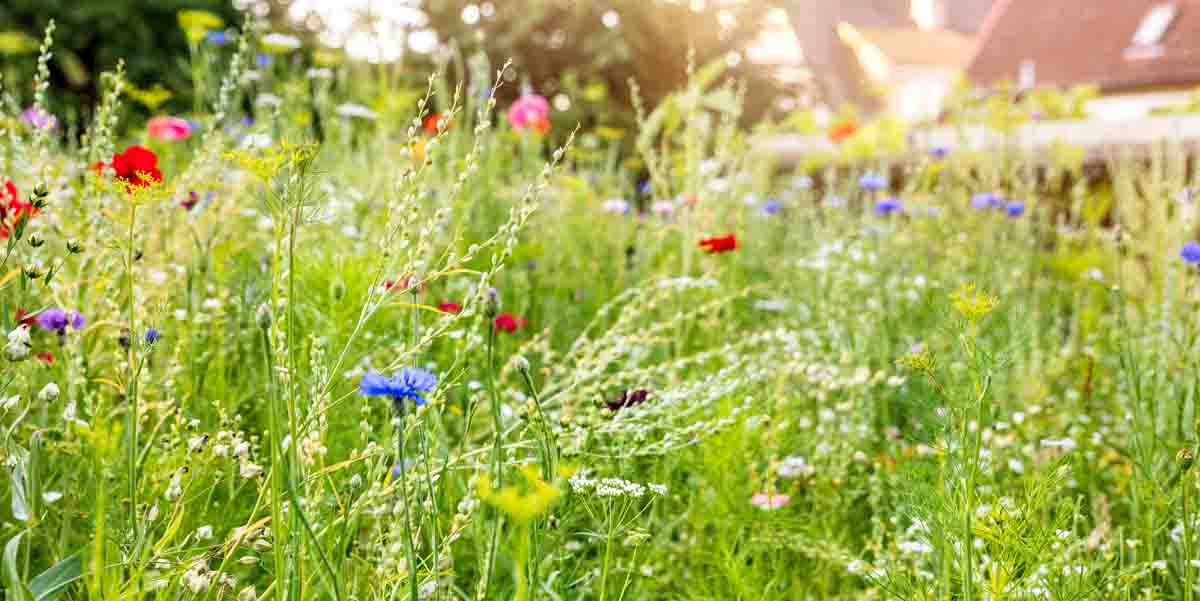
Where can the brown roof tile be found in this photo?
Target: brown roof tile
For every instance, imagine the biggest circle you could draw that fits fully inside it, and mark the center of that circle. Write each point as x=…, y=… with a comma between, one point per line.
x=1087, y=41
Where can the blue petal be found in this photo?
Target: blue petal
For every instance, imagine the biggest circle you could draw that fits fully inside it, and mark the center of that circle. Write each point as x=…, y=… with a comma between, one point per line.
x=373, y=384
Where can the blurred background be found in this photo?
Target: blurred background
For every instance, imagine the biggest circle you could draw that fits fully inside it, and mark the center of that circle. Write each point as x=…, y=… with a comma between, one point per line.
x=809, y=63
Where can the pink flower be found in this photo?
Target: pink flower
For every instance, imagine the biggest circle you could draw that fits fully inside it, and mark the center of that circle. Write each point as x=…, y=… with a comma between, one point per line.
x=530, y=111
x=167, y=128
x=39, y=118
x=769, y=501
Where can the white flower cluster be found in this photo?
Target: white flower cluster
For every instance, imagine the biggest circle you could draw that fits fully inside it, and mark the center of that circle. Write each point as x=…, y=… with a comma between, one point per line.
x=613, y=487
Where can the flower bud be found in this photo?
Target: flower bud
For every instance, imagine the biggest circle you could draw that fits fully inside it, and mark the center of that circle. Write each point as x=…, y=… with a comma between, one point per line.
x=32, y=272
x=36, y=241
x=74, y=247
x=1185, y=458
x=264, y=316
x=49, y=393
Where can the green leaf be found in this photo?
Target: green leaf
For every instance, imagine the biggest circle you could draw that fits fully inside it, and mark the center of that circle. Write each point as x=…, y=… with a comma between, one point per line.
x=47, y=585
x=17, y=591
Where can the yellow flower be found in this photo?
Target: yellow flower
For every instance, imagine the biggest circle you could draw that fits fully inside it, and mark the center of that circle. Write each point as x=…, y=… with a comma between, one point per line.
x=17, y=42
x=197, y=23
x=523, y=503
x=972, y=304
x=920, y=361
x=151, y=98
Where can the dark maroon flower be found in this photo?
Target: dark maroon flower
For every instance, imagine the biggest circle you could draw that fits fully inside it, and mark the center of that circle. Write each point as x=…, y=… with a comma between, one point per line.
x=628, y=398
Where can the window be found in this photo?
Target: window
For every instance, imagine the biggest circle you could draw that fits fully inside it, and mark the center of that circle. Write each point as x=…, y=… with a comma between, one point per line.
x=1155, y=24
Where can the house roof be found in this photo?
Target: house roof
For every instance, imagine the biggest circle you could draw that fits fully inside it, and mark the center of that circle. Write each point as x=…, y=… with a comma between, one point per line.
x=1070, y=42
x=913, y=46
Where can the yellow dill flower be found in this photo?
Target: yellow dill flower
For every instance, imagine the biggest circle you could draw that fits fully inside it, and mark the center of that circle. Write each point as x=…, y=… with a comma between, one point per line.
x=920, y=361
x=17, y=42
x=521, y=503
x=151, y=98
x=197, y=23
x=971, y=303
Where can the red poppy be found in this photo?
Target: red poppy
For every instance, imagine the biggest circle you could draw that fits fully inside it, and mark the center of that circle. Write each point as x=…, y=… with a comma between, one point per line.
x=47, y=357
x=719, y=244
x=400, y=286
x=435, y=123
x=12, y=209
x=24, y=318
x=841, y=131
x=509, y=323
x=138, y=166
x=449, y=307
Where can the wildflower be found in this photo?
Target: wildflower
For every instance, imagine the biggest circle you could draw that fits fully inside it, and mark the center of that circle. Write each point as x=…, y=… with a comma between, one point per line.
x=627, y=399
x=1185, y=458
x=1190, y=253
x=13, y=212
x=1066, y=444
x=509, y=323
x=152, y=335
x=939, y=152
x=971, y=303
x=616, y=205
x=280, y=43
x=435, y=123
x=772, y=207
x=663, y=208
x=216, y=38
x=46, y=357
x=887, y=206
x=204, y=533
x=38, y=118
x=262, y=60
x=522, y=504
x=410, y=383
x=449, y=307
x=57, y=320
x=873, y=181
x=841, y=131
x=19, y=344
x=197, y=24
x=769, y=501
x=795, y=467
x=1015, y=208
x=986, y=200
x=170, y=129
x=645, y=188
x=719, y=244
x=137, y=166
x=250, y=470
x=530, y=112
x=48, y=393
x=350, y=110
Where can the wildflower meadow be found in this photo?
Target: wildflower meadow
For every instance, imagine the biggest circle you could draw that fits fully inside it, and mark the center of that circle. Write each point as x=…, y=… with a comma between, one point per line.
x=296, y=343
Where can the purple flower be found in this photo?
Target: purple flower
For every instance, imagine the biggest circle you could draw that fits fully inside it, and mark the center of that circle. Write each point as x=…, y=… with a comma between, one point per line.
x=772, y=207
x=152, y=336
x=57, y=320
x=872, y=181
x=39, y=118
x=986, y=200
x=888, y=206
x=1015, y=208
x=939, y=152
x=1191, y=253
x=263, y=59
x=216, y=38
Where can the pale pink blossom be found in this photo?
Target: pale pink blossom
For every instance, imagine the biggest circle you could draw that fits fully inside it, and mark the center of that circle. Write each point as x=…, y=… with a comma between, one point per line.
x=769, y=501
x=168, y=128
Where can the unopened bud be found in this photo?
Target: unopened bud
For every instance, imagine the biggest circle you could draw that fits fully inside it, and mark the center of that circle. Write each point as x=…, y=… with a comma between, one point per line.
x=74, y=247
x=264, y=316
x=1185, y=458
x=36, y=241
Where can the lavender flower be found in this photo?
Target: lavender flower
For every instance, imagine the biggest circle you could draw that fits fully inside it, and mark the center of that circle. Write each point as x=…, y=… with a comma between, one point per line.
x=57, y=320
x=771, y=207
x=39, y=118
x=888, y=206
x=873, y=181
x=1191, y=253
x=986, y=200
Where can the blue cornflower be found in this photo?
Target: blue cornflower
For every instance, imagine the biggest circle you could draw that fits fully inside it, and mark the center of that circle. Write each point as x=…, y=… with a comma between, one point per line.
x=888, y=206
x=772, y=207
x=939, y=152
x=986, y=200
x=410, y=383
x=1191, y=253
x=217, y=38
x=152, y=336
x=1015, y=208
x=873, y=181
x=263, y=59
x=645, y=187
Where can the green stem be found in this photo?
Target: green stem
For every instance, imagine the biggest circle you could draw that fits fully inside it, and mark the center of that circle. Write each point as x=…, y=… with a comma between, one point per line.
x=401, y=415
